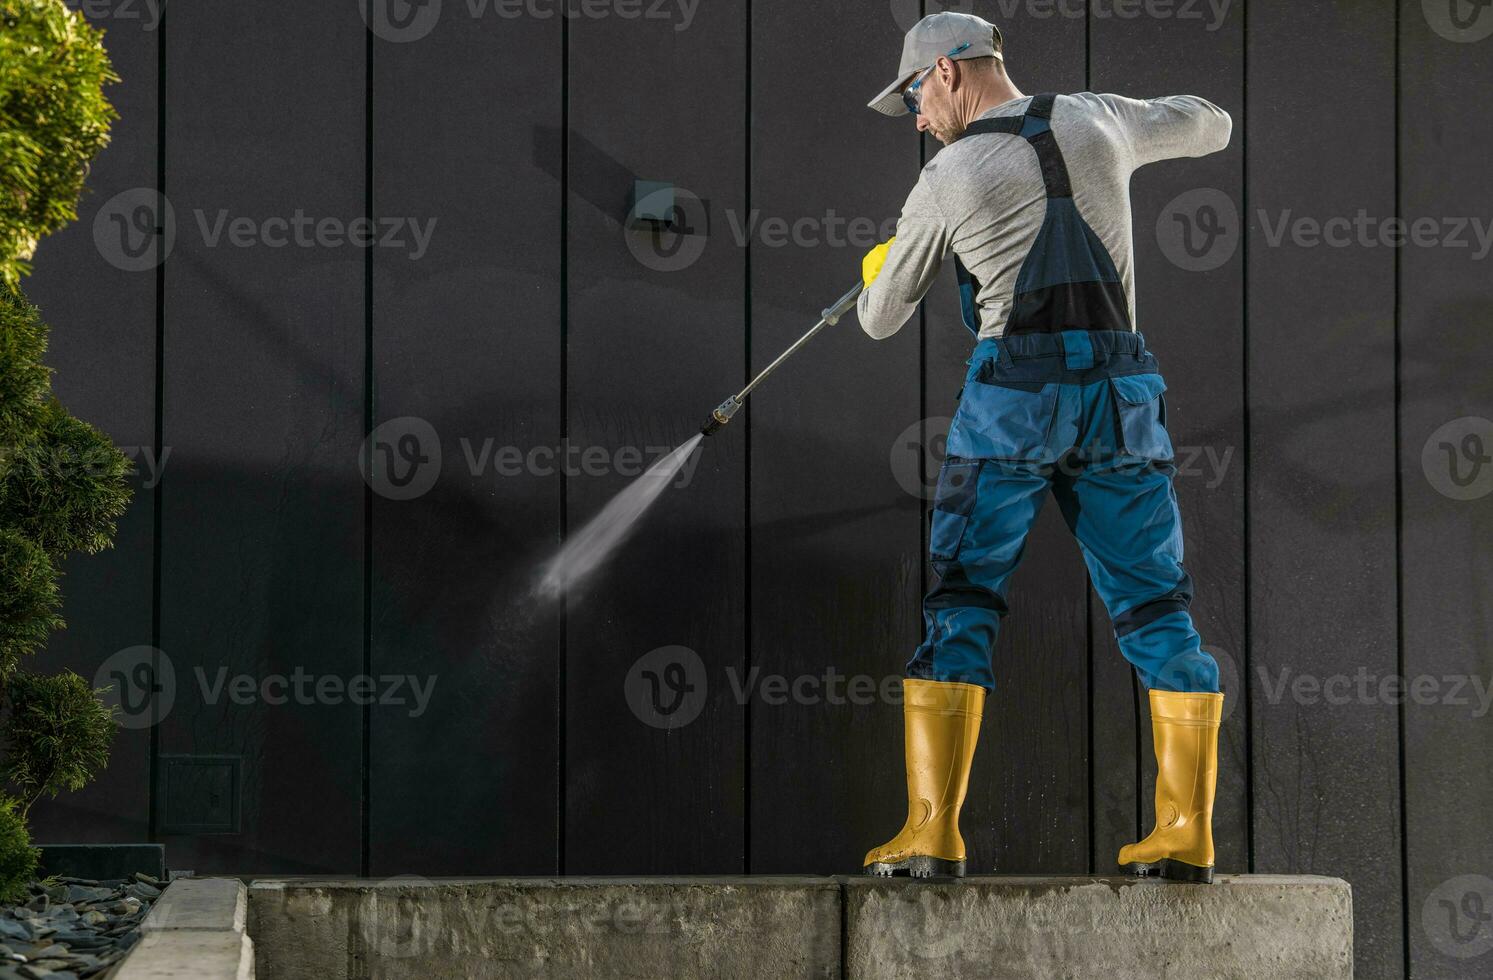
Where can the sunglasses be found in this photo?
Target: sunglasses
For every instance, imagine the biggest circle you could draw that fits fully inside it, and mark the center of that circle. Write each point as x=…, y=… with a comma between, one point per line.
x=910, y=95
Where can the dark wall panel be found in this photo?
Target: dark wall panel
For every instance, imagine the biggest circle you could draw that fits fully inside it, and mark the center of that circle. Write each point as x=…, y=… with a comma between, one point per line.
x=1193, y=320
x=836, y=545
x=655, y=340
x=466, y=341
x=262, y=538
x=1446, y=570
x=1028, y=804
x=1321, y=454
x=102, y=310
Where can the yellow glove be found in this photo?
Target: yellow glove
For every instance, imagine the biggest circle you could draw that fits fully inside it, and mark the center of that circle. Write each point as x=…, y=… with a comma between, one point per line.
x=874, y=260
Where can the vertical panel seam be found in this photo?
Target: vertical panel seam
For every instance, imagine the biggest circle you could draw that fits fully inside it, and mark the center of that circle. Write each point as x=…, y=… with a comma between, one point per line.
x=1400, y=659
x=922, y=400
x=365, y=811
x=159, y=426
x=1247, y=633
x=1088, y=598
x=746, y=496
x=562, y=653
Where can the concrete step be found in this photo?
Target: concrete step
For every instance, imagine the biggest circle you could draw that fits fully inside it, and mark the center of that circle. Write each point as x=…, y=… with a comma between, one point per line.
x=1276, y=927
x=195, y=929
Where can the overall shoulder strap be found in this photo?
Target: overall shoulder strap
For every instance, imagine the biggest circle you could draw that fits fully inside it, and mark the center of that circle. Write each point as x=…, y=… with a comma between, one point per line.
x=1035, y=126
x=1037, y=129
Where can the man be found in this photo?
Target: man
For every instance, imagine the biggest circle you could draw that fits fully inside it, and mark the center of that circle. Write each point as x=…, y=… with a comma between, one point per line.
x=1031, y=196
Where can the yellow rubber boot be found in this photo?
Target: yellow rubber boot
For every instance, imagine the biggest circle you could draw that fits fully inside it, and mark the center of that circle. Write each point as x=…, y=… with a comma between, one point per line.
x=941, y=722
x=1185, y=731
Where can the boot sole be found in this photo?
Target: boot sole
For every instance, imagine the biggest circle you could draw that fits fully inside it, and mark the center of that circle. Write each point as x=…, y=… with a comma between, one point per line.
x=917, y=866
x=1170, y=870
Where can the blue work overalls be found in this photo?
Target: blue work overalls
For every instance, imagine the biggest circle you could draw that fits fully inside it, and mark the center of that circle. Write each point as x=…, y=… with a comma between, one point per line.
x=1067, y=400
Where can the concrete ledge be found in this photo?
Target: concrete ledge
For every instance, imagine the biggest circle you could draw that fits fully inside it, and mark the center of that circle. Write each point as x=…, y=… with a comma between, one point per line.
x=1260, y=926
x=547, y=927
x=195, y=929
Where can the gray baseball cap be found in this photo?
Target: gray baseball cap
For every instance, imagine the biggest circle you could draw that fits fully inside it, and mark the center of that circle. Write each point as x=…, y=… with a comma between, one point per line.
x=932, y=38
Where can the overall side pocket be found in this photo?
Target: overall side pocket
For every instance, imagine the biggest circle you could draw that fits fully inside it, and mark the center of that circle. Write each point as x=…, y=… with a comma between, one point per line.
x=953, y=502
x=1141, y=409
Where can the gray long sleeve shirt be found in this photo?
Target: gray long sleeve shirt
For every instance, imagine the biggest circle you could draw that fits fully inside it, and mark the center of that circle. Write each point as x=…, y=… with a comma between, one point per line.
x=983, y=198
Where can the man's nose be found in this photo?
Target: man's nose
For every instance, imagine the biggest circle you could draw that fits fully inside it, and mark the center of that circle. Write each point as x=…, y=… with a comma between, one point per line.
x=922, y=123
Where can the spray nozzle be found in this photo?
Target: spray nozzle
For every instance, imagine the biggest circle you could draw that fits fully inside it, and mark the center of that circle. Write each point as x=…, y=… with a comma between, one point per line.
x=721, y=415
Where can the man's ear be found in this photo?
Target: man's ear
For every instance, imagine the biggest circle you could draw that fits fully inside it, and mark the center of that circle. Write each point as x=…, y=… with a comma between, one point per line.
x=950, y=69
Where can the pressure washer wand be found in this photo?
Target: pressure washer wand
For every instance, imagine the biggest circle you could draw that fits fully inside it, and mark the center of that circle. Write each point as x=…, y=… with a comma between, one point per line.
x=732, y=405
